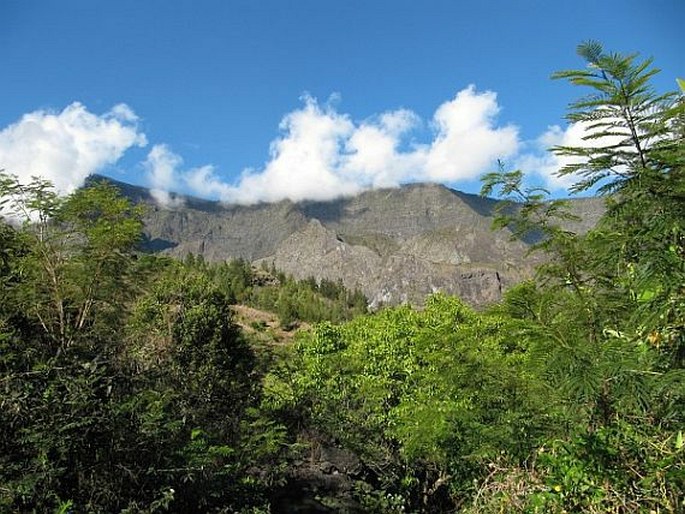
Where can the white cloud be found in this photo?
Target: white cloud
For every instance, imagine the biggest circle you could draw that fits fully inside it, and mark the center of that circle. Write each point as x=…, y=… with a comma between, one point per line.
x=373, y=157
x=165, y=174
x=323, y=154
x=320, y=154
x=204, y=182
x=68, y=146
x=306, y=163
x=468, y=143
x=544, y=164
x=162, y=169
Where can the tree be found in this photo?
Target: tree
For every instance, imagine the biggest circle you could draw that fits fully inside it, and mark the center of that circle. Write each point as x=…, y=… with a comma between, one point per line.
x=628, y=125
x=183, y=328
x=117, y=395
x=423, y=397
x=77, y=270
x=200, y=383
x=66, y=269
x=610, y=307
x=639, y=154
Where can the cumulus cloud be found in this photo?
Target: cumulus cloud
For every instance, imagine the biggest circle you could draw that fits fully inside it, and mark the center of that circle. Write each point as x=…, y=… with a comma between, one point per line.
x=205, y=183
x=323, y=154
x=65, y=147
x=373, y=158
x=468, y=142
x=308, y=162
x=320, y=154
x=544, y=164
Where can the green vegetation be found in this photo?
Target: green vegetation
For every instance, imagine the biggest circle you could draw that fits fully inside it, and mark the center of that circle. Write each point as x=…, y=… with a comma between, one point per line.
x=126, y=386
x=569, y=396
x=426, y=399
x=293, y=300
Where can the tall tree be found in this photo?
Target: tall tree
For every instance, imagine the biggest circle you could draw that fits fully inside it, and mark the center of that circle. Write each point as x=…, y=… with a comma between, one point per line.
x=612, y=306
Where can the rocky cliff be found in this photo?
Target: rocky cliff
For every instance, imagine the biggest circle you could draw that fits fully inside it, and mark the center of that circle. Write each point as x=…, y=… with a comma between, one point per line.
x=396, y=245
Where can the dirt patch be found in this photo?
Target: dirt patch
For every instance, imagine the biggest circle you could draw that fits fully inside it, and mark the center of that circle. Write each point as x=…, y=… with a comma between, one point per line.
x=264, y=325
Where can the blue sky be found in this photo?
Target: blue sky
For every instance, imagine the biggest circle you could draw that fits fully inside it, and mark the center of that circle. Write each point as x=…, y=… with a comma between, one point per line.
x=262, y=100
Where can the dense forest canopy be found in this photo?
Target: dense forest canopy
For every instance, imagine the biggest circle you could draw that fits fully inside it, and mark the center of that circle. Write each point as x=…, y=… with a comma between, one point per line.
x=127, y=386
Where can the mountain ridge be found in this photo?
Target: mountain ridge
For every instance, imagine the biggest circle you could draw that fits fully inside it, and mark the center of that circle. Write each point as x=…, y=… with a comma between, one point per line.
x=396, y=244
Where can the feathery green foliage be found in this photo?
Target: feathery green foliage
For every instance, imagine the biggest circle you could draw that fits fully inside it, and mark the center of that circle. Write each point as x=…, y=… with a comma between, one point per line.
x=610, y=303
x=626, y=122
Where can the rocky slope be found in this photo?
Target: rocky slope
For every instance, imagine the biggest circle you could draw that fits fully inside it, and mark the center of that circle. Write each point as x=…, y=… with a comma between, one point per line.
x=397, y=245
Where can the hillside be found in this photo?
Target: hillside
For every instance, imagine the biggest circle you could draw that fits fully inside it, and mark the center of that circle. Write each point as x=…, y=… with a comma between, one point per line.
x=396, y=245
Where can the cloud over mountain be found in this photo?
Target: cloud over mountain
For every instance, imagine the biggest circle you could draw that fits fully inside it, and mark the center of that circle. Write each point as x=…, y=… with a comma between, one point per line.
x=65, y=147
x=323, y=154
x=320, y=154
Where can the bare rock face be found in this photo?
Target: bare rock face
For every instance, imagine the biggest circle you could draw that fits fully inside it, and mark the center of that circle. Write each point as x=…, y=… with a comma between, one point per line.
x=452, y=259
x=407, y=279
x=398, y=278
x=223, y=232
x=396, y=245
x=400, y=245
x=316, y=251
